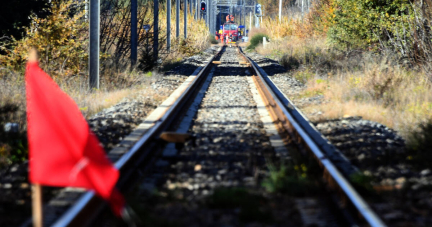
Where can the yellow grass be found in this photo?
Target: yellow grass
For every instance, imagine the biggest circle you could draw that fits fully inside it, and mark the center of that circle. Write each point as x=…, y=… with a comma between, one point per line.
x=197, y=35
x=367, y=86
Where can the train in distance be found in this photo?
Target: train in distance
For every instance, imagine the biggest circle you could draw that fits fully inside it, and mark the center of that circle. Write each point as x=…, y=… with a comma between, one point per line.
x=230, y=32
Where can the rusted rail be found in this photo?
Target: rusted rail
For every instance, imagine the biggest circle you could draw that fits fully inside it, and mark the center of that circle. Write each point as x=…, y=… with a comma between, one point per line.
x=290, y=121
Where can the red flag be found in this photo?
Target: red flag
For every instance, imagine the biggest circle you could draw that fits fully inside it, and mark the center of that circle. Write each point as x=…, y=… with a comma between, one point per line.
x=62, y=149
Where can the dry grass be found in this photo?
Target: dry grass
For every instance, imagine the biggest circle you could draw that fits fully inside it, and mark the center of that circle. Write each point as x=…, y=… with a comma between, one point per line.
x=255, y=31
x=89, y=102
x=197, y=36
x=296, y=47
x=313, y=25
x=357, y=84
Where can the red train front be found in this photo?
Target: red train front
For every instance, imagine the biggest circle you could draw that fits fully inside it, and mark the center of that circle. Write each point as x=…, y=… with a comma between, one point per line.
x=230, y=33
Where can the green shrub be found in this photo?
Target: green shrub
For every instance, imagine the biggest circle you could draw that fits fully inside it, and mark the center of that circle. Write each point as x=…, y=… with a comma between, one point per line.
x=289, y=62
x=291, y=180
x=213, y=39
x=362, y=23
x=255, y=40
x=146, y=60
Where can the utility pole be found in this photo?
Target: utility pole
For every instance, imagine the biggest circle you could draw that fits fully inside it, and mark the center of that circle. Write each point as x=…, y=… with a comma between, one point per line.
x=190, y=7
x=302, y=8
x=156, y=30
x=94, y=44
x=196, y=9
x=240, y=15
x=207, y=12
x=220, y=19
x=86, y=10
x=177, y=18
x=168, y=25
x=244, y=17
x=134, y=36
x=185, y=10
x=250, y=21
x=210, y=12
x=280, y=11
x=212, y=15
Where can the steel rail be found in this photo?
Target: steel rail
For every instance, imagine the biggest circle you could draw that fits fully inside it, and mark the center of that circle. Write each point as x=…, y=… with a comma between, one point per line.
x=89, y=205
x=282, y=112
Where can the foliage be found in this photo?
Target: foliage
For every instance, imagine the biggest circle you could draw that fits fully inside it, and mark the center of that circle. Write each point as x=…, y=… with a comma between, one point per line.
x=186, y=47
x=359, y=24
x=314, y=23
x=60, y=38
x=256, y=39
x=146, y=61
x=15, y=15
x=401, y=27
x=271, y=8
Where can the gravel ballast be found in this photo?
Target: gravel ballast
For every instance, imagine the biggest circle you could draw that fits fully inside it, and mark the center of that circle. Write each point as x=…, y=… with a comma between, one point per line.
x=228, y=158
x=402, y=195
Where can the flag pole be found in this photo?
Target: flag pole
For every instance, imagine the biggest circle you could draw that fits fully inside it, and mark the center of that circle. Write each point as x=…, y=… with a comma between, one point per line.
x=37, y=205
x=36, y=188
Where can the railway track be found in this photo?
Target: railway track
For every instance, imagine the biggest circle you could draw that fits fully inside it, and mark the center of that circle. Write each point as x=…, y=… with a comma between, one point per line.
x=236, y=120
